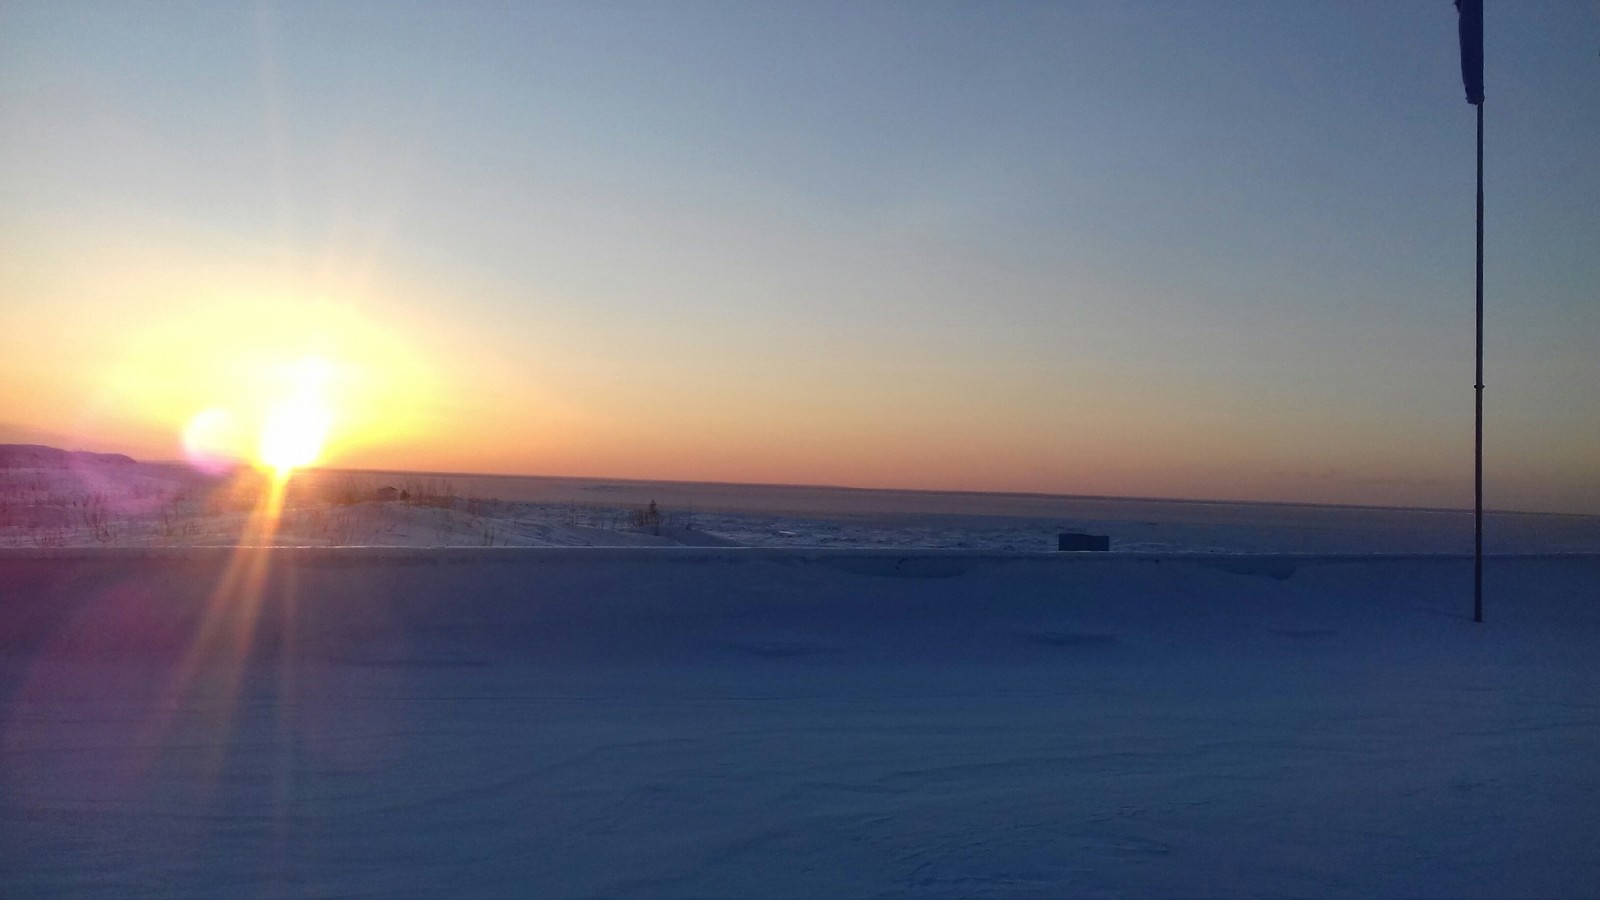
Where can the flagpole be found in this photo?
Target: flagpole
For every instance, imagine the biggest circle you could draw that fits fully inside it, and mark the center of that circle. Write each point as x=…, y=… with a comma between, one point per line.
x=1470, y=26
x=1477, y=456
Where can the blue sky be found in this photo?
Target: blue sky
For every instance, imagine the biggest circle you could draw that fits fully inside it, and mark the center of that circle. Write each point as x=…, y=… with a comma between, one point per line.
x=1182, y=249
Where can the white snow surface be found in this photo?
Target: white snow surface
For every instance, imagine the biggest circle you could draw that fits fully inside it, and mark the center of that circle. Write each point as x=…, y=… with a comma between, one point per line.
x=715, y=722
x=171, y=505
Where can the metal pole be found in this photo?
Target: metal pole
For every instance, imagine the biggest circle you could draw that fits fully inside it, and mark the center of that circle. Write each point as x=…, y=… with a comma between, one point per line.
x=1477, y=457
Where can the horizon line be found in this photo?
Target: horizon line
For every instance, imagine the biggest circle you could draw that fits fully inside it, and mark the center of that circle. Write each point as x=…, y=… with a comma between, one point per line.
x=954, y=491
x=860, y=489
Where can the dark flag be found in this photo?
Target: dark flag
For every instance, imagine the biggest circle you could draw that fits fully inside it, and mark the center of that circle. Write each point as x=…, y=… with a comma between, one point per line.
x=1472, y=48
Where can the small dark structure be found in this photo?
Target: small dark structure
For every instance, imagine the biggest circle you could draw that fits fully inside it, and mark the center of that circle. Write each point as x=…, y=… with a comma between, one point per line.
x=387, y=493
x=1069, y=540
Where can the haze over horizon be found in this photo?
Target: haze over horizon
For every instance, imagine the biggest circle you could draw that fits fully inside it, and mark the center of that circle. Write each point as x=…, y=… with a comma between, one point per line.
x=1158, y=250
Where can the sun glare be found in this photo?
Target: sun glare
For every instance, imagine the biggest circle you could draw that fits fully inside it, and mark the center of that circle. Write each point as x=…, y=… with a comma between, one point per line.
x=295, y=428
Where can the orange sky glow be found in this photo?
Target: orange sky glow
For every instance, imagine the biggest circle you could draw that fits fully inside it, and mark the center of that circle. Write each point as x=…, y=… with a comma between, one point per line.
x=709, y=250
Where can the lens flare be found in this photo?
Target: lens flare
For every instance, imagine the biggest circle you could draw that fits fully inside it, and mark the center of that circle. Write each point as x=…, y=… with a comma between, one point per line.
x=211, y=440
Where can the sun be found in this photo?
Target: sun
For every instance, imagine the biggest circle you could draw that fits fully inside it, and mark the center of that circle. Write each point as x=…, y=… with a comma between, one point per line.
x=292, y=435
x=296, y=427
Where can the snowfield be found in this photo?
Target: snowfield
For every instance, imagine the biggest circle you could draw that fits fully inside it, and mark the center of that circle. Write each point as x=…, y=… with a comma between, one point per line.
x=714, y=722
x=90, y=502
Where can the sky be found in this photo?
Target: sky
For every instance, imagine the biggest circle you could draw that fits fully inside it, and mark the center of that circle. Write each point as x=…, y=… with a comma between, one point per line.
x=1212, y=250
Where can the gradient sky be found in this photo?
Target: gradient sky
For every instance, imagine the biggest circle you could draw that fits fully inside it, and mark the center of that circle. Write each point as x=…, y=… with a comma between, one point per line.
x=1184, y=249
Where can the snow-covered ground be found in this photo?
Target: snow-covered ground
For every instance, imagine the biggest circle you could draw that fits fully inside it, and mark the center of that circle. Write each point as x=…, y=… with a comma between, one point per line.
x=709, y=722
x=165, y=505
x=430, y=686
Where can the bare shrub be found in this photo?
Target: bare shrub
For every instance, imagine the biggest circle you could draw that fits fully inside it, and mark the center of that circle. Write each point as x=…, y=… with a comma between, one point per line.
x=648, y=517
